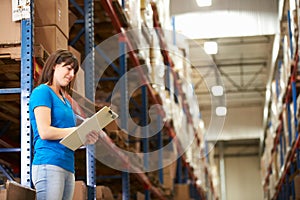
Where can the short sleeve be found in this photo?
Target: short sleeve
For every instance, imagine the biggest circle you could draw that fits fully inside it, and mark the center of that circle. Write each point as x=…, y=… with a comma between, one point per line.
x=40, y=96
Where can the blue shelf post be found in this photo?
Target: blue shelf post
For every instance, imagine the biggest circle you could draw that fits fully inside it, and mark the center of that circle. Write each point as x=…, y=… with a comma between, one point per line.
x=179, y=171
x=294, y=98
x=145, y=133
x=160, y=150
x=124, y=109
x=26, y=88
x=90, y=88
x=292, y=185
x=281, y=148
x=287, y=187
x=289, y=123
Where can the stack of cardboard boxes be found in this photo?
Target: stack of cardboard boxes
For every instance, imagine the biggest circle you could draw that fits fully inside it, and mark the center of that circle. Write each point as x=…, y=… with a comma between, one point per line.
x=51, y=20
x=11, y=31
x=10, y=34
x=51, y=30
x=102, y=192
x=15, y=191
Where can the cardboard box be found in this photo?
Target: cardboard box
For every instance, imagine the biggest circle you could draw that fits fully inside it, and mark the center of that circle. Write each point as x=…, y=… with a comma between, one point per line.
x=140, y=196
x=76, y=53
x=169, y=172
x=51, y=38
x=11, y=31
x=181, y=191
x=297, y=186
x=52, y=13
x=168, y=182
x=72, y=19
x=80, y=191
x=103, y=193
x=16, y=191
x=78, y=84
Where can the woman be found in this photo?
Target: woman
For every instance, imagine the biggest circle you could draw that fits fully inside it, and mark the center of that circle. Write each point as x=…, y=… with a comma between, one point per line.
x=52, y=118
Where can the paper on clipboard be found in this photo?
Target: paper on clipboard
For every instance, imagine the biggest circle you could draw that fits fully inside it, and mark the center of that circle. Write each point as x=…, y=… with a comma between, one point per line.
x=97, y=122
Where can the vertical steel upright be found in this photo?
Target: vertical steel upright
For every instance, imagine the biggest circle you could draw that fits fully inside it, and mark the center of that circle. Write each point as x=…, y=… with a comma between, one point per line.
x=222, y=170
x=160, y=150
x=145, y=133
x=124, y=109
x=26, y=88
x=90, y=88
x=179, y=171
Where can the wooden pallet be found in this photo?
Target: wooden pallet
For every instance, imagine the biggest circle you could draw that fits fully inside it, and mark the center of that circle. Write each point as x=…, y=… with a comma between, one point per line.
x=12, y=52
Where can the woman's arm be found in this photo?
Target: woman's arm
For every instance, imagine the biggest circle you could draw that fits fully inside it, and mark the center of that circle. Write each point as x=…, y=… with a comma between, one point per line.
x=43, y=121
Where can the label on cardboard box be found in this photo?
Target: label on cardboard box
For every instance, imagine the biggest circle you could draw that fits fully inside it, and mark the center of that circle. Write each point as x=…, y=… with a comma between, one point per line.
x=20, y=9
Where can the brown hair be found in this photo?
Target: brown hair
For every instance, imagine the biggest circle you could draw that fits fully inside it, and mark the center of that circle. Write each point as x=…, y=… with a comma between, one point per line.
x=57, y=57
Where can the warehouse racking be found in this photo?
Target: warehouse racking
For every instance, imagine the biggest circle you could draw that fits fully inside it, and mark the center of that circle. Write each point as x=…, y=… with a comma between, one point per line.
x=280, y=161
x=184, y=172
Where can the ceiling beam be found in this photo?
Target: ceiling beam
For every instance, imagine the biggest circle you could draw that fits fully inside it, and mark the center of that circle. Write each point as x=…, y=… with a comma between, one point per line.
x=249, y=90
x=241, y=63
x=250, y=73
x=241, y=104
x=236, y=41
x=239, y=154
x=233, y=64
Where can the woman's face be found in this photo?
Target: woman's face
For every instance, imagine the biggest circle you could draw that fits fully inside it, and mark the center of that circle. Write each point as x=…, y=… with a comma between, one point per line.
x=63, y=74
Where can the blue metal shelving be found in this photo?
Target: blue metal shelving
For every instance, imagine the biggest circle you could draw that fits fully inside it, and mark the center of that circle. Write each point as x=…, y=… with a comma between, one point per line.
x=124, y=110
x=285, y=186
x=89, y=73
x=26, y=87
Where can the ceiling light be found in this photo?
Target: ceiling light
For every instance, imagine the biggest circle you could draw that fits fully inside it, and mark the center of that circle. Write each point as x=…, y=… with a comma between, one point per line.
x=221, y=111
x=211, y=47
x=204, y=3
x=217, y=90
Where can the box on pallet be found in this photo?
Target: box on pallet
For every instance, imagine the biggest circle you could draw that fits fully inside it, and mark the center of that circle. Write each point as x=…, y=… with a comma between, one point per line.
x=181, y=191
x=52, y=13
x=14, y=190
x=78, y=83
x=11, y=32
x=80, y=191
x=169, y=172
x=297, y=186
x=51, y=38
x=103, y=193
x=140, y=196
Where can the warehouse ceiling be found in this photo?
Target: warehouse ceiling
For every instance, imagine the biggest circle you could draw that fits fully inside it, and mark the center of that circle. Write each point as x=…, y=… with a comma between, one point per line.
x=244, y=31
x=244, y=66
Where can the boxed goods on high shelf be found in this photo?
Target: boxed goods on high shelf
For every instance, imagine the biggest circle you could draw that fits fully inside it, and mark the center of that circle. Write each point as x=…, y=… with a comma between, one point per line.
x=281, y=142
x=12, y=33
x=171, y=94
x=51, y=24
x=52, y=13
x=10, y=36
x=51, y=31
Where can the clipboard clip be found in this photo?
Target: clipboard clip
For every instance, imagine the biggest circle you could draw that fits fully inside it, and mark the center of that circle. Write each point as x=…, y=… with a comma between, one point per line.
x=113, y=115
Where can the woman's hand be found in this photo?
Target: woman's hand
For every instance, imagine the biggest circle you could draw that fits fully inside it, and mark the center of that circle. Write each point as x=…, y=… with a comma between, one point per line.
x=92, y=137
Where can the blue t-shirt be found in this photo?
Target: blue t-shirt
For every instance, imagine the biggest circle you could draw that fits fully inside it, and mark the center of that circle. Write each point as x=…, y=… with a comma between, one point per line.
x=62, y=116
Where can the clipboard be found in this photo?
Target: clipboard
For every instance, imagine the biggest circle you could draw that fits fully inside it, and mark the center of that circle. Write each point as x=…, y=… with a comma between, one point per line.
x=98, y=121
